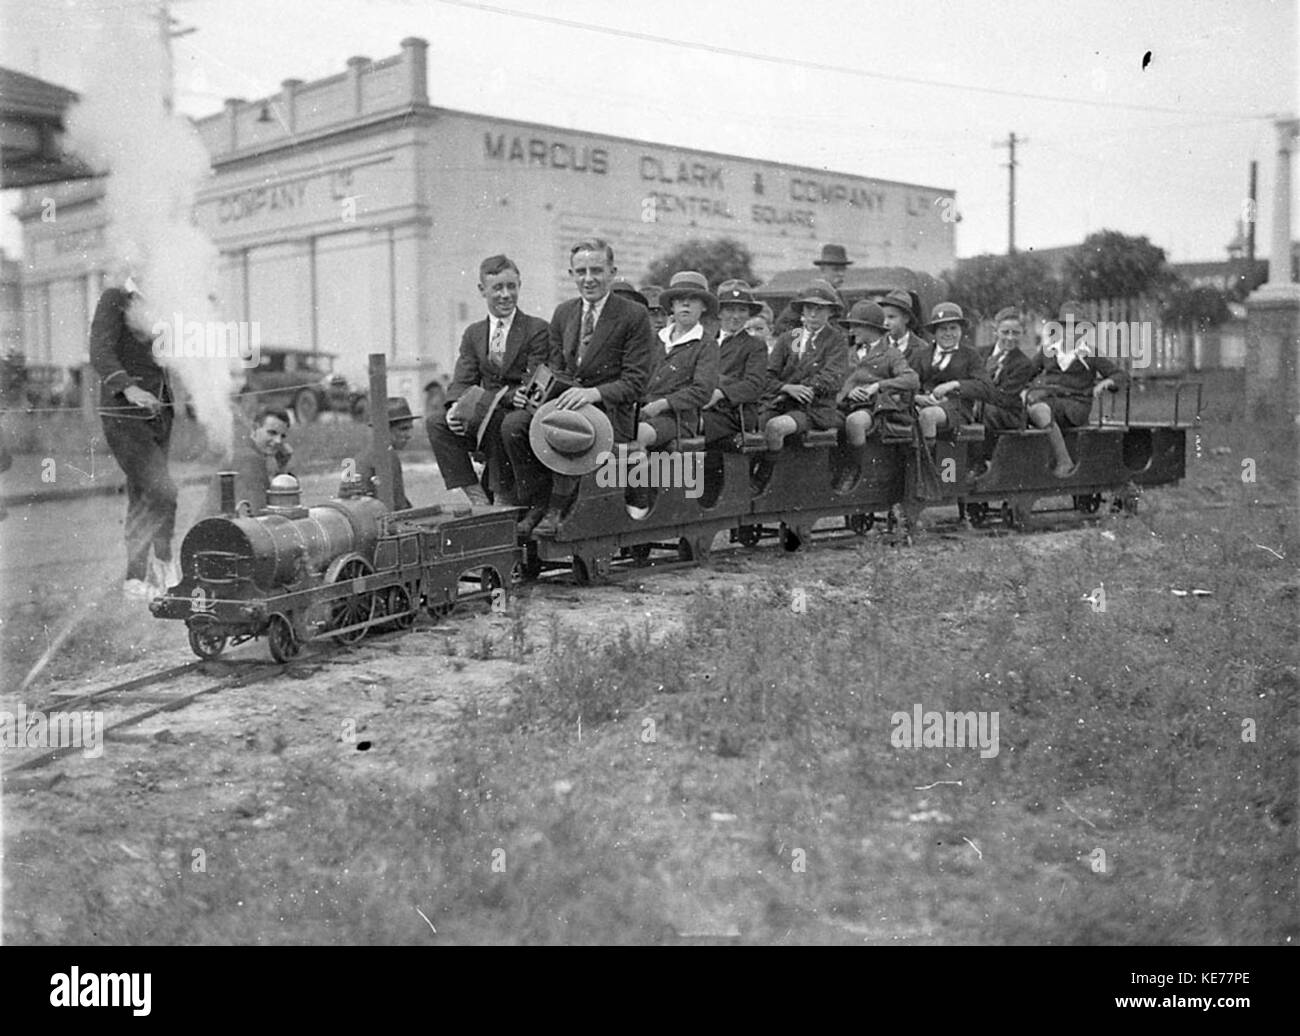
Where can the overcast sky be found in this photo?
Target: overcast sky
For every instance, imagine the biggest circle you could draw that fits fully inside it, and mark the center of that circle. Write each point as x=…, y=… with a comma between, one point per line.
x=850, y=85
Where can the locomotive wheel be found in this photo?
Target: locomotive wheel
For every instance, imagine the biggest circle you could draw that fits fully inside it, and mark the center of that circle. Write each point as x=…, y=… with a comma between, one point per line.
x=356, y=607
x=861, y=523
x=281, y=639
x=749, y=535
x=305, y=406
x=205, y=643
x=396, y=600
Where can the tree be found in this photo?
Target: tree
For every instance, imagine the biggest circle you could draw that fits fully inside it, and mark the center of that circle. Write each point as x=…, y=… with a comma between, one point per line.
x=719, y=260
x=1199, y=308
x=1112, y=265
x=986, y=283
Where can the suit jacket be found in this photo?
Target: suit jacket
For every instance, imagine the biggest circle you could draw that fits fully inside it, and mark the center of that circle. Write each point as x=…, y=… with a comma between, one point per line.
x=369, y=469
x=1078, y=379
x=527, y=345
x=966, y=368
x=913, y=346
x=1017, y=371
x=822, y=366
x=618, y=357
x=880, y=363
x=742, y=369
x=686, y=378
x=122, y=357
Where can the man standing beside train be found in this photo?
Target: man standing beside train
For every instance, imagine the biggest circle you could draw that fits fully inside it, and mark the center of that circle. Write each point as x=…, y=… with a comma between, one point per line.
x=499, y=351
x=603, y=344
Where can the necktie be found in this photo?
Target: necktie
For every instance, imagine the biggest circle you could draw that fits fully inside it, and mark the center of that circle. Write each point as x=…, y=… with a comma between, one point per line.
x=497, y=347
x=588, y=329
x=995, y=363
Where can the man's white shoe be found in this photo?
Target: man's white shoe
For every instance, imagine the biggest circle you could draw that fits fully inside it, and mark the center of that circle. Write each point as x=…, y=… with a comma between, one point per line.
x=138, y=588
x=476, y=494
x=163, y=575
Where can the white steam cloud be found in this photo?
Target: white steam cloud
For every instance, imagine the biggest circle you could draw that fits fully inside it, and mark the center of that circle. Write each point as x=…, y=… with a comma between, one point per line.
x=157, y=163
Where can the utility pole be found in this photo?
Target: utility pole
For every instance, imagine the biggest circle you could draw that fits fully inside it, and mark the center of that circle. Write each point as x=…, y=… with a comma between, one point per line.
x=1011, y=142
x=1250, y=225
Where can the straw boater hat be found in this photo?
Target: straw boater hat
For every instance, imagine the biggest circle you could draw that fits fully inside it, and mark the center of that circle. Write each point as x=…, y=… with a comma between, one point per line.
x=738, y=293
x=622, y=286
x=947, y=313
x=833, y=255
x=475, y=407
x=570, y=442
x=818, y=293
x=690, y=285
x=902, y=300
x=866, y=314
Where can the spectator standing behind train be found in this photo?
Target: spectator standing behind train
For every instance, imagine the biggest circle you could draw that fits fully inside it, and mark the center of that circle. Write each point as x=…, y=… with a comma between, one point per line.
x=256, y=459
x=604, y=344
x=1068, y=379
x=502, y=349
x=760, y=326
x=903, y=322
x=136, y=412
x=742, y=366
x=687, y=376
x=952, y=376
x=805, y=371
x=658, y=315
x=879, y=381
x=833, y=265
x=370, y=473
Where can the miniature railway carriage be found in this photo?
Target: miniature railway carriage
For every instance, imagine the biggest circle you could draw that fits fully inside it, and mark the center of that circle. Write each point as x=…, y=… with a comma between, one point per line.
x=337, y=570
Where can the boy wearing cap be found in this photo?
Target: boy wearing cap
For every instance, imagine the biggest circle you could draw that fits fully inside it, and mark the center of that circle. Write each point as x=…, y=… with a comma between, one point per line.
x=902, y=311
x=805, y=370
x=878, y=376
x=687, y=375
x=952, y=376
x=831, y=266
x=496, y=352
x=742, y=366
x=370, y=473
x=603, y=343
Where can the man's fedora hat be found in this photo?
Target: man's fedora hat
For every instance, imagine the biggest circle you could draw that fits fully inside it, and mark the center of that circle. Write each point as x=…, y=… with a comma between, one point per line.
x=738, y=293
x=902, y=300
x=475, y=407
x=399, y=410
x=652, y=293
x=947, y=313
x=689, y=285
x=622, y=286
x=570, y=442
x=818, y=293
x=833, y=255
x=866, y=314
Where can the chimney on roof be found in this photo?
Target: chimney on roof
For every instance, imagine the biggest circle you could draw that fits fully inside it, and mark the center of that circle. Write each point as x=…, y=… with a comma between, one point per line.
x=355, y=67
x=415, y=55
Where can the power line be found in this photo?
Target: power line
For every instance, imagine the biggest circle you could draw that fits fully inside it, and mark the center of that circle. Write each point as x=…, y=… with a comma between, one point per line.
x=817, y=66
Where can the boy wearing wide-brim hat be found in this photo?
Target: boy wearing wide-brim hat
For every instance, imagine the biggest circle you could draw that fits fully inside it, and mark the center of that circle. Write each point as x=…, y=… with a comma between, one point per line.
x=371, y=474
x=903, y=322
x=879, y=381
x=805, y=371
x=742, y=366
x=688, y=373
x=952, y=376
x=1068, y=379
x=832, y=265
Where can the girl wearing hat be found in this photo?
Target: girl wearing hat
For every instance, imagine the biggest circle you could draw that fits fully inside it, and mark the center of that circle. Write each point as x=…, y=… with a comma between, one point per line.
x=685, y=378
x=878, y=376
x=953, y=378
x=1069, y=379
x=806, y=370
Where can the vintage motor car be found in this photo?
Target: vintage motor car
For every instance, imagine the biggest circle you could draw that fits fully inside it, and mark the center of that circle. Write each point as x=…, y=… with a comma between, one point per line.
x=301, y=381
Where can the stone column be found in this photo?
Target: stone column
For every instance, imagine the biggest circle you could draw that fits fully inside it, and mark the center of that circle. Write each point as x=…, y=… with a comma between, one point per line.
x=1273, y=310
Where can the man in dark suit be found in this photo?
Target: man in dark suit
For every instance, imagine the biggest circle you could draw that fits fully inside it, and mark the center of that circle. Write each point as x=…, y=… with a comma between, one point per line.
x=742, y=366
x=502, y=350
x=603, y=343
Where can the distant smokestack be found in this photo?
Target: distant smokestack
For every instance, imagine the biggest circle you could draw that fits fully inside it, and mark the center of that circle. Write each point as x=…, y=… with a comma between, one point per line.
x=227, y=491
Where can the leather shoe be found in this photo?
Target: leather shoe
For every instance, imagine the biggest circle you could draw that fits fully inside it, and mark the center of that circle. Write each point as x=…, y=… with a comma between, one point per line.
x=525, y=526
x=550, y=524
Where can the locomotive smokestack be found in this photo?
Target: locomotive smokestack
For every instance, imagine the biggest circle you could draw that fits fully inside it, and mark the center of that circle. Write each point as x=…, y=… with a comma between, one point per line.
x=227, y=491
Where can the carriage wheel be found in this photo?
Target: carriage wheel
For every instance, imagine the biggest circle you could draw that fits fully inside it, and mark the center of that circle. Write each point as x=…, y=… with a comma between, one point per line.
x=793, y=537
x=206, y=643
x=640, y=553
x=355, y=607
x=977, y=512
x=696, y=548
x=749, y=535
x=281, y=638
x=861, y=524
x=1088, y=503
x=581, y=570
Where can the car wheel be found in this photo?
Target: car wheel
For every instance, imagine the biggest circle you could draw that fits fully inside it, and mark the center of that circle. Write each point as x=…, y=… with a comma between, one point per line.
x=306, y=406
